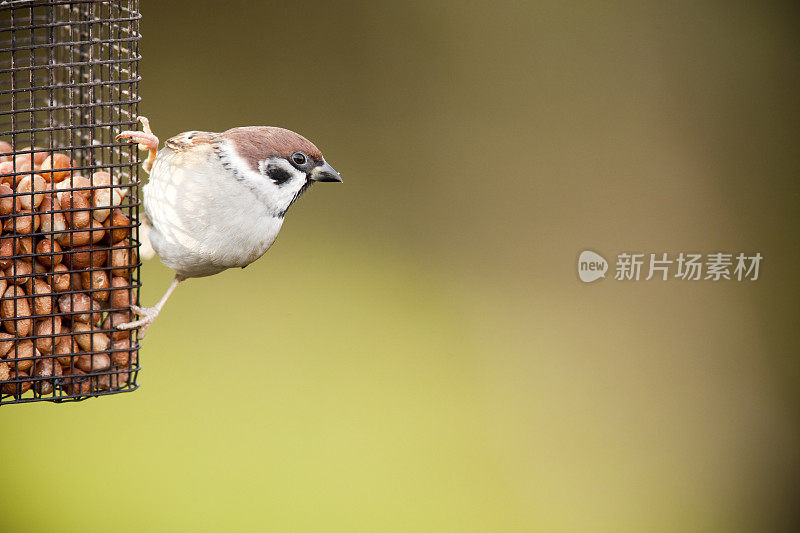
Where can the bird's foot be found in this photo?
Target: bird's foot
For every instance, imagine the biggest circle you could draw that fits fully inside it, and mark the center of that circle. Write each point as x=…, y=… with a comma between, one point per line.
x=148, y=315
x=145, y=138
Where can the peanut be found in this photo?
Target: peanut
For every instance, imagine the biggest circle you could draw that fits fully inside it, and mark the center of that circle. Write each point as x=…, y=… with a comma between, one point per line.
x=79, y=217
x=59, y=164
x=24, y=246
x=93, y=234
x=32, y=191
x=41, y=295
x=46, y=368
x=49, y=252
x=93, y=362
x=90, y=340
x=6, y=342
x=18, y=388
x=39, y=154
x=121, y=293
x=122, y=356
x=78, y=306
x=119, y=222
x=6, y=200
x=14, y=305
x=68, y=186
x=19, y=272
x=50, y=329
x=23, y=221
x=64, y=350
x=6, y=251
x=118, y=379
x=103, y=382
x=62, y=279
x=115, y=319
x=52, y=219
x=101, y=198
x=21, y=354
x=86, y=256
x=14, y=171
x=6, y=172
x=77, y=382
x=96, y=283
x=120, y=261
x=20, y=327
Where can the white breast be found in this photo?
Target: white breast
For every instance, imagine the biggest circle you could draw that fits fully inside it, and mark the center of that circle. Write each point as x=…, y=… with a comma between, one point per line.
x=204, y=219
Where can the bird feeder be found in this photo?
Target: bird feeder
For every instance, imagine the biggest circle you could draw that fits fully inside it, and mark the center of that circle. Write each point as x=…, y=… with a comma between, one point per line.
x=69, y=267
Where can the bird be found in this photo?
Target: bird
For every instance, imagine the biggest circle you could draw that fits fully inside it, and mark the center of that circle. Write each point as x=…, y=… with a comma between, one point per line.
x=218, y=200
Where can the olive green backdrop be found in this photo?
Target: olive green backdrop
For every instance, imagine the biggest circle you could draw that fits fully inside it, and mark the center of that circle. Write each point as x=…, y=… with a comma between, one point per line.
x=416, y=352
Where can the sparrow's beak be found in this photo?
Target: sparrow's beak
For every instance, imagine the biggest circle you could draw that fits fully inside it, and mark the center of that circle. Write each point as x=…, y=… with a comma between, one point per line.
x=325, y=173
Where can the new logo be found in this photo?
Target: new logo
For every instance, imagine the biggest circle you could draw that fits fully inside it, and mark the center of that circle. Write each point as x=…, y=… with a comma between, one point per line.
x=591, y=266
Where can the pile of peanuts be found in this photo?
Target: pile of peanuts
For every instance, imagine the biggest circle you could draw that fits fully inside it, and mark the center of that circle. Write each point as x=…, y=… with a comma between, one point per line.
x=66, y=260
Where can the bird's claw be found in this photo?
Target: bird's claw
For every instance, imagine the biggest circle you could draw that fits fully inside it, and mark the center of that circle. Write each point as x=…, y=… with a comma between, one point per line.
x=148, y=315
x=145, y=139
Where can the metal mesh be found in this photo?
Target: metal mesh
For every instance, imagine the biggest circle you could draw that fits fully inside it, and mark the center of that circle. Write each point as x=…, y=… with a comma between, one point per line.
x=68, y=83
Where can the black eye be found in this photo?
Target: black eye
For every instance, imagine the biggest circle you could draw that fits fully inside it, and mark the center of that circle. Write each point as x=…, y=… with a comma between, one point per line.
x=299, y=158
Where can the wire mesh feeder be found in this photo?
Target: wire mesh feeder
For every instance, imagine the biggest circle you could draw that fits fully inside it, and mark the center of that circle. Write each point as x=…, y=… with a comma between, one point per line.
x=69, y=199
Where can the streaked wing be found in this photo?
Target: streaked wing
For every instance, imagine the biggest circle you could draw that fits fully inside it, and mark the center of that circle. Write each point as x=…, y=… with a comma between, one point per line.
x=190, y=139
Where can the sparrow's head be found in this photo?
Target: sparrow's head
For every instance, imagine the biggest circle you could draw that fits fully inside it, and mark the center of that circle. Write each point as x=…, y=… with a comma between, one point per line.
x=280, y=164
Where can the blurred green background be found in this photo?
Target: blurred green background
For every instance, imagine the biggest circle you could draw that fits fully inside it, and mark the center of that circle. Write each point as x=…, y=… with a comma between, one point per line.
x=416, y=352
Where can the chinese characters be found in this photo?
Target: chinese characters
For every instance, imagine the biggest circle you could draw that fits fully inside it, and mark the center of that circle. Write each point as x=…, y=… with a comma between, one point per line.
x=688, y=266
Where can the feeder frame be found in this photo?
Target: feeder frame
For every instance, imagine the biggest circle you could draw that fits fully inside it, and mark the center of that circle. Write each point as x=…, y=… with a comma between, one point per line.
x=69, y=83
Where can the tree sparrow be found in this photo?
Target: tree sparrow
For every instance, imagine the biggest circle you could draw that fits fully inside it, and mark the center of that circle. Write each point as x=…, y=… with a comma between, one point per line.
x=217, y=200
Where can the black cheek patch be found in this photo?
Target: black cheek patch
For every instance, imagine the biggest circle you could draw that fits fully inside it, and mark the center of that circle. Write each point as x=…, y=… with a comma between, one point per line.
x=277, y=174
